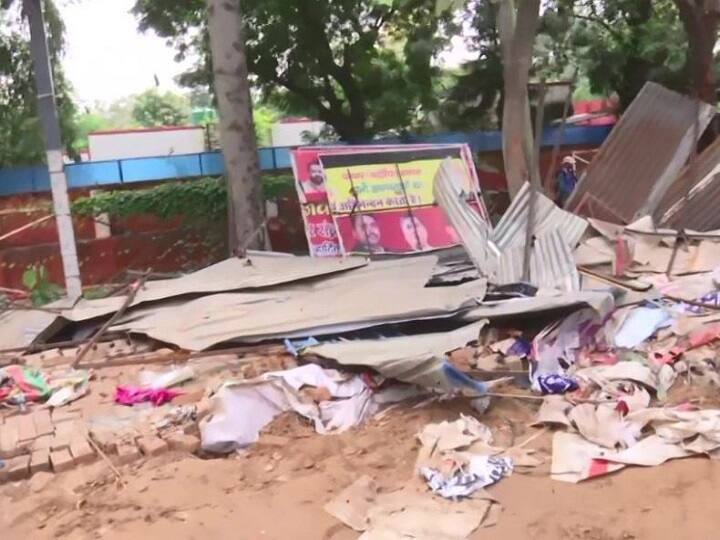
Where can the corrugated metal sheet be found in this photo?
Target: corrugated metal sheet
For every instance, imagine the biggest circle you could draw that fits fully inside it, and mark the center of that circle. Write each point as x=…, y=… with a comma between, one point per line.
x=259, y=270
x=383, y=292
x=500, y=255
x=473, y=231
x=21, y=328
x=512, y=229
x=642, y=156
x=700, y=210
x=692, y=174
x=552, y=264
x=416, y=359
x=602, y=302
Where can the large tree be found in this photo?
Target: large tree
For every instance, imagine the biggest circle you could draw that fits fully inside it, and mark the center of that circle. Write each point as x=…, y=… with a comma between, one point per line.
x=47, y=112
x=153, y=108
x=622, y=44
x=362, y=66
x=517, y=27
x=21, y=141
x=473, y=99
x=700, y=19
x=237, y=131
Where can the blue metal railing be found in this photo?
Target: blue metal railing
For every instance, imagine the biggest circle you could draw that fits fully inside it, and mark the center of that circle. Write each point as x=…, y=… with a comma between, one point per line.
x=125, y=171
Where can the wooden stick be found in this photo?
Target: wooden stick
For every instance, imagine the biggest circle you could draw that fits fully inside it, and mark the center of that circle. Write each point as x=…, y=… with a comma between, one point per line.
x=12, y=306
x=134, y=288
x=149, y=358
x=46, y=346
x=26, y=226
x=105, y=458
x=514, y=396
x=693, y=302
x=531, y=438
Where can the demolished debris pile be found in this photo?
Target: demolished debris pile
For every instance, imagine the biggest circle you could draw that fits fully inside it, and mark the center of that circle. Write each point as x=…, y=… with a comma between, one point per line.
x=607, y=322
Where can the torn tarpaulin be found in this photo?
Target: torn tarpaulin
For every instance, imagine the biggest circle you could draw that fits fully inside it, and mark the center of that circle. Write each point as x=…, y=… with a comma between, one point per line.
x=241, y=409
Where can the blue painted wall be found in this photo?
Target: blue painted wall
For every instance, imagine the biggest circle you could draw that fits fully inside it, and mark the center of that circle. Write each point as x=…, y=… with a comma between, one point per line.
x=125, y=171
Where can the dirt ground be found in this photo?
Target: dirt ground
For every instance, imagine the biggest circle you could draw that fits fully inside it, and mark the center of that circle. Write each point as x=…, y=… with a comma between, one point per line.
x=277, y=492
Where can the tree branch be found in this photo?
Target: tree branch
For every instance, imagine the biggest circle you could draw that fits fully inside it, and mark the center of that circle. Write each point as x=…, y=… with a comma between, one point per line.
x=600, y=22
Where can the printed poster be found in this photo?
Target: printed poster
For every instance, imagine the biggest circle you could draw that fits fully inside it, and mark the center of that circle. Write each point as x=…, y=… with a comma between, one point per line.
x=403, y=227
x=383, y=202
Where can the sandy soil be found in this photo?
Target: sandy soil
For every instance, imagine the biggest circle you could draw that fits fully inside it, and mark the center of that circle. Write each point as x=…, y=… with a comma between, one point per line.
x=277, y=493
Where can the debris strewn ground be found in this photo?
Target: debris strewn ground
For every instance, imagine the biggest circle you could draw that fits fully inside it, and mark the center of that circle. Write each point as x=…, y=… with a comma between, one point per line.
x=562, y=388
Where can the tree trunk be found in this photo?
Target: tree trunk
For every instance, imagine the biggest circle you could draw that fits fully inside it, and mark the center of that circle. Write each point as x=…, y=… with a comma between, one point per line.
x=517, y=36
x=700, y=19
x=237, y=131
x=47, y=111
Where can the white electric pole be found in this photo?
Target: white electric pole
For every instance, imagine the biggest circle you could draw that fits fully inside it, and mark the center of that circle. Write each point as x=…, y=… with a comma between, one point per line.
x=47, y=112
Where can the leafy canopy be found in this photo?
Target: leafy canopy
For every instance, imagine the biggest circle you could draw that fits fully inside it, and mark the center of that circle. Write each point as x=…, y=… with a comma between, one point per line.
x=152, y=108
x=362, y=66
x=21, y=140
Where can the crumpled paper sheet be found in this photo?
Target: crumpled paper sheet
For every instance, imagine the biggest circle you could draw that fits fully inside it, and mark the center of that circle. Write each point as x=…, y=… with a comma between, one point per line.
x=408, y=514
x=677, y=434
x=463, y=474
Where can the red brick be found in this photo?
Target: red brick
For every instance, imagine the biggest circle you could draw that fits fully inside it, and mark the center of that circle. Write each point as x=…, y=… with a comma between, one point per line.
x=73, y=427
x=81, y=451
x=63, y=414
x=106, y=439
x=61, y=460
x=18, y=468
x=43, y=424
x=40, y=461
x=44, y=442
x=26, y=428
x=13, y=422
x=152, y=446
x=127, y=453
x=61, y=442
x=9, y=438
x=181, y=442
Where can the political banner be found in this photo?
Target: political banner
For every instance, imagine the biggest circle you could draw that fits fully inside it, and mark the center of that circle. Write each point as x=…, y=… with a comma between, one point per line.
x=391, y=183
x=383, y=202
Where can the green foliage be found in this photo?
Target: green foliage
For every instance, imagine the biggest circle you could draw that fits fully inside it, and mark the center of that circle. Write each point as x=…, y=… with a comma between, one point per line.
x=119, y=114
x=203, y=200
x=152, y=108
x=264, y=116
x=21, y=141
x=362, y=66
x=37, y=282
x=473, y=96
x=621, y=44
x=86, y=123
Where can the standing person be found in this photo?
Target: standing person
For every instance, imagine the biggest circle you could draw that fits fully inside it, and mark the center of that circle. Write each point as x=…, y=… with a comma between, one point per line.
x=565, y=181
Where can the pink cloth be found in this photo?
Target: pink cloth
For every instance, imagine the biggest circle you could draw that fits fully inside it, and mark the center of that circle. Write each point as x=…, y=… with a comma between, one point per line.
x=129, y=395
